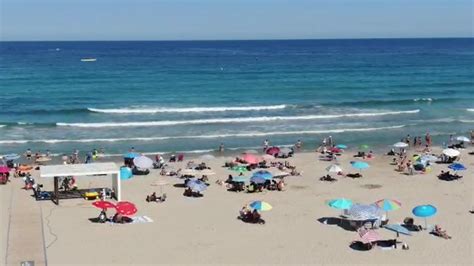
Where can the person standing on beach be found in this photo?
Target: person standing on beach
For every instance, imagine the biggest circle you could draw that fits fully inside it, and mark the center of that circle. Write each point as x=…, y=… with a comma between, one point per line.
x=407, y=140
x=298, y=145
x=428, y=139
x=266, y=144
x=472, y=136
x=221, y=147
x=330, y=141
x=28, y=154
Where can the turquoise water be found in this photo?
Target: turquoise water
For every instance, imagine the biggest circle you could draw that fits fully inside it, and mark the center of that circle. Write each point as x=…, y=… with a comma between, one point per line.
x=191, y=96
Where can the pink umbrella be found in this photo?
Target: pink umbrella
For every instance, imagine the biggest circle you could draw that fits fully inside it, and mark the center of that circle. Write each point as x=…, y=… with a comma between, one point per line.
x=335, y=150
x=251, y=158
x=4, y=169
x=273, y=151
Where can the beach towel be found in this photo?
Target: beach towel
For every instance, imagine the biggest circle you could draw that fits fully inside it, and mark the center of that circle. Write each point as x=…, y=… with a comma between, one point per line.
x=141, y=220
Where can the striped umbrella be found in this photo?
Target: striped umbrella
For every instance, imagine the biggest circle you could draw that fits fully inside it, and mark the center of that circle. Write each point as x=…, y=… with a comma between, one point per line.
x=260, y=205
x=388, y=205
x=368, y=236
x=359, y=212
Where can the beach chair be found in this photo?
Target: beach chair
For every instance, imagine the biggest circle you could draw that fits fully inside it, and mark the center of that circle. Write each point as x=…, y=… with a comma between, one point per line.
x=180, y=157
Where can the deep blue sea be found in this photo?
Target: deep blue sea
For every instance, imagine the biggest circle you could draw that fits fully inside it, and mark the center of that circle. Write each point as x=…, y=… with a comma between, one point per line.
x=193, y=95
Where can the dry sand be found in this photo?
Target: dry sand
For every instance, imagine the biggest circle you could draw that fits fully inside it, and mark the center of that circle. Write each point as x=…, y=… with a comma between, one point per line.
x=206, y=231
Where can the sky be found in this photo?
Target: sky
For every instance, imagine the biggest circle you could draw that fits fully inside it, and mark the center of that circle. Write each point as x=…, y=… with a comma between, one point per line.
x=233, y=19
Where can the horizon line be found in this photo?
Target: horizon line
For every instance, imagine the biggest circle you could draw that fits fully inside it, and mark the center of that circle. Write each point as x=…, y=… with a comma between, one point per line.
x=224, y=40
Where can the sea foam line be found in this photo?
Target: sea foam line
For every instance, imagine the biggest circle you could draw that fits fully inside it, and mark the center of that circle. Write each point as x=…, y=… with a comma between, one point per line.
x=470, y=109
x=185, y=110
x=229, y=120
x=249, y=134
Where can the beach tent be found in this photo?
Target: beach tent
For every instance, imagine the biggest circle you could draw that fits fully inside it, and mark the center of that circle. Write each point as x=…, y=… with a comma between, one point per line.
x=77, y=170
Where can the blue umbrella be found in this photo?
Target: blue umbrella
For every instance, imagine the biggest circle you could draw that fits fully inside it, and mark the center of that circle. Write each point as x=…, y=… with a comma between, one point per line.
x=196, y=185
x=341, y=203
x=341, y=146
x=457, y=167
x=263, y=174
x=257, y=179
x=424, y=211
x=397, y=228
x=130, y=155
x=360, y=165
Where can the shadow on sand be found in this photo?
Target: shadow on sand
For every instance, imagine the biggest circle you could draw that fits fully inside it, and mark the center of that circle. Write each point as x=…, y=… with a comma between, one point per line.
x=342, y=223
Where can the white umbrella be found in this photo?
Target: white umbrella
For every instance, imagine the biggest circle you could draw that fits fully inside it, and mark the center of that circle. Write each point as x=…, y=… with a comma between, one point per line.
x=334, y=168
x=451, y=152
x=143, y=162
x=463, y=139
x=207, y=157
x=206, y=172
x=400, y=145
x=188, y=171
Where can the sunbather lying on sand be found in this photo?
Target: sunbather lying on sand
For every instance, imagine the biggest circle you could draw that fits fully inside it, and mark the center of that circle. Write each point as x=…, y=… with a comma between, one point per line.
x=438, y=231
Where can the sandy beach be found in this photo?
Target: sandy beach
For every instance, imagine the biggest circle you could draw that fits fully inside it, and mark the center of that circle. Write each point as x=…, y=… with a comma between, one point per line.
x=206, y=230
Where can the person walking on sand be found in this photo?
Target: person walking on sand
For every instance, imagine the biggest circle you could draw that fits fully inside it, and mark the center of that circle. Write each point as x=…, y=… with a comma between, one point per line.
x=28, y=154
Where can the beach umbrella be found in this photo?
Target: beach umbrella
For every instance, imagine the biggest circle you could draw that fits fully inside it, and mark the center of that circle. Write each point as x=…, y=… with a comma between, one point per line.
x=364, y=147
x=104, y=205
x=263, y=174
x=398, y=229
x=424, y=211
x=285, y=150
x=251, y=151
x=272, y=151
x=260, y=205
x=334, y=168
x=341, y=146
x=360, y=212
x=268, y=157
x=457, y=167
x=207, y=157
x=130, y=155
x=196, y=185
x=258, y=179
x=335, y=150
x=400, y=145
x=463, y=139
x=368, y=236
x=388, y=205
x=11, y=157
x=250, y=158
x=239, y=168
x=451, y=152
x=188, y=172
x=126, y=208
x=206, y=172
x=4, y=169
x=341, y=203
x=125, y=173
x=360, y=165
x=240, y=179
x=143, y=162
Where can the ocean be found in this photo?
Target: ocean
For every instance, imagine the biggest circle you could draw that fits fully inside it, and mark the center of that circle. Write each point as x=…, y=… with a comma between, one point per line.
x=175, y=96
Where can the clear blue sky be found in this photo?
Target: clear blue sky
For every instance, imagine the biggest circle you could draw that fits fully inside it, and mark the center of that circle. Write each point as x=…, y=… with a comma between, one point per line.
x=233, y=19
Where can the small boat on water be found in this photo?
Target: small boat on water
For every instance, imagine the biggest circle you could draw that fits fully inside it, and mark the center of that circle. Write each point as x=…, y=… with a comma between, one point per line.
x=88, y=59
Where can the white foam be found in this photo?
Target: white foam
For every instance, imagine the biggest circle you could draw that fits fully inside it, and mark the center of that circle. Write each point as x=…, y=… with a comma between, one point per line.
x=229, y=120
x=185, y=110
x=423, y=100
x=470, y=109
x=248, y=134
x=2, y=125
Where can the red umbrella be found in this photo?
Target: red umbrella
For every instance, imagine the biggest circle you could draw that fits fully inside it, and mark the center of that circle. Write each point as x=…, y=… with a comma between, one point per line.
x=335, y=150
x=273, y=151
x=126, y=208
x=102, y=204
x=251, y=158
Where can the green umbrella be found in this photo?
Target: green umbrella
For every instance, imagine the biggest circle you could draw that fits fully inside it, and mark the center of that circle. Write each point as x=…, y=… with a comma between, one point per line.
x=239, y=168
